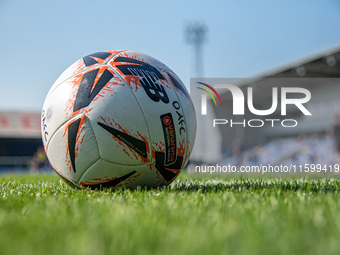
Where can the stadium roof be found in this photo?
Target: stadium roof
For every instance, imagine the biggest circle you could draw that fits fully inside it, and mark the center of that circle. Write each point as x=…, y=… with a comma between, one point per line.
x=321, y=64
x=19, y=125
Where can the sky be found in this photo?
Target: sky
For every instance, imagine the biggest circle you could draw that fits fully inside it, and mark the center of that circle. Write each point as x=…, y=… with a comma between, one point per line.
x=40, y=39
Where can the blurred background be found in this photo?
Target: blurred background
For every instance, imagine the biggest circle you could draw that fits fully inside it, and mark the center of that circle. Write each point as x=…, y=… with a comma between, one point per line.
x=40, y=39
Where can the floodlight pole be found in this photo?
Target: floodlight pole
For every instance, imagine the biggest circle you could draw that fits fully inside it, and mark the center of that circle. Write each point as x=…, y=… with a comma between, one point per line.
x=195, y=34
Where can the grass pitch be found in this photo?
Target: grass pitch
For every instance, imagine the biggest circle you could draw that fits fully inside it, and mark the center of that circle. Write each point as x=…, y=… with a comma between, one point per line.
x=39, y=214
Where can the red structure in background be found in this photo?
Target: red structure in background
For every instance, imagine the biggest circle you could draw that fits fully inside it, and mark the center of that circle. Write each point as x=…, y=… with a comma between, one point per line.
x=20, y=141
x=20, y=125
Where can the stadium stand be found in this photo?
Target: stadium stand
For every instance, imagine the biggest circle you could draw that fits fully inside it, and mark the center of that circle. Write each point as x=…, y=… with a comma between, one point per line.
x=19, y=139
x=317, y=149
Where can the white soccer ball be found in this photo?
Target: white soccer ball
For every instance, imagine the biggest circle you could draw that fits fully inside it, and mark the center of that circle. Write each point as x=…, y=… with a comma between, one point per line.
x=117, y=118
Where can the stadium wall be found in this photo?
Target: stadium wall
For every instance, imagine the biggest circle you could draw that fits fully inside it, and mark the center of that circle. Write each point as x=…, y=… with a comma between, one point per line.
x=19, y=138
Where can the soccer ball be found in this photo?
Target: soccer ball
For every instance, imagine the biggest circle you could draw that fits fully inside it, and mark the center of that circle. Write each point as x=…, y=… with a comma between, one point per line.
x=118, y=118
